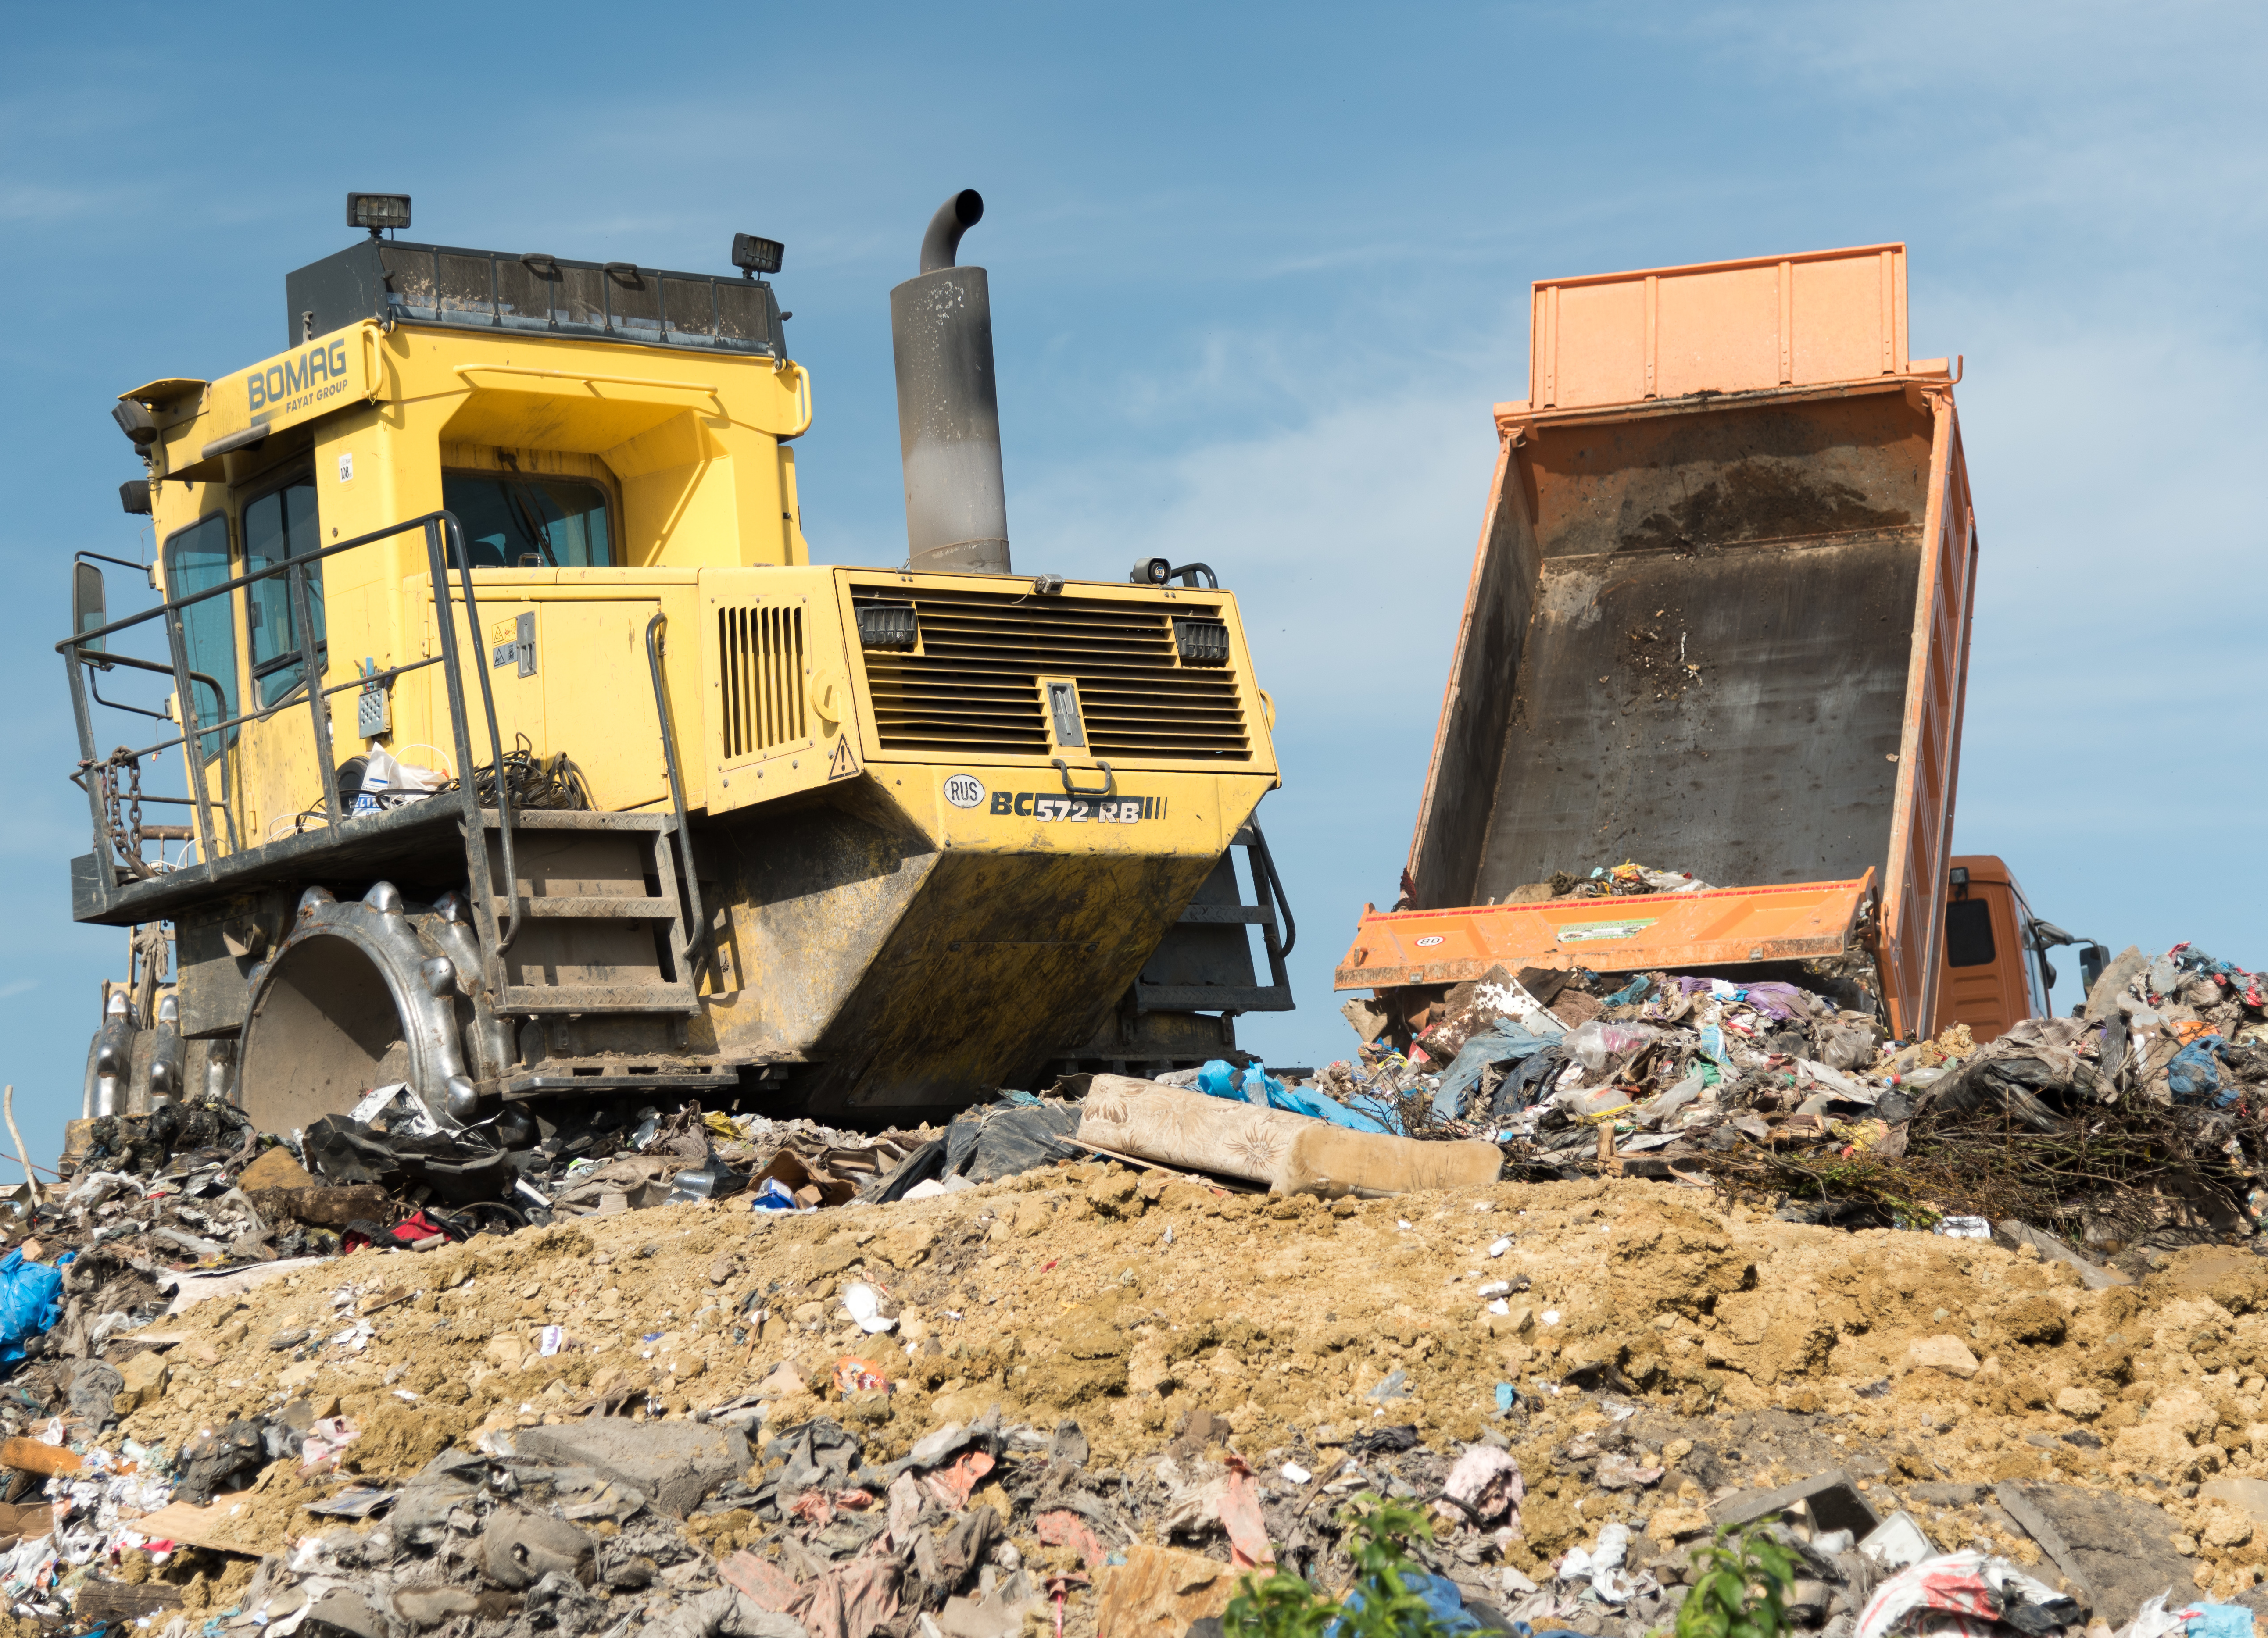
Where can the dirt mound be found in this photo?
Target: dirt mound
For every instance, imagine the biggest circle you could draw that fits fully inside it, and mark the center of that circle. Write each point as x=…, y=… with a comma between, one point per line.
x=1759, y=1350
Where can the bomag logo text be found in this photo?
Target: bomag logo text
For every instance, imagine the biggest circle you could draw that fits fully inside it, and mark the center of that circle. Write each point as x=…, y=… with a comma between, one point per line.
x=304, y=378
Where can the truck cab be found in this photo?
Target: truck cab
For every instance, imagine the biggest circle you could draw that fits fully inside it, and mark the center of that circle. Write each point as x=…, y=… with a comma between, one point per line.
x=1997, y=973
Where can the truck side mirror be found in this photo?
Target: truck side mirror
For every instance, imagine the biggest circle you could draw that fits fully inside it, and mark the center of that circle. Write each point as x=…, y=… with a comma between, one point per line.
x=90, y=610
x=2092, y=960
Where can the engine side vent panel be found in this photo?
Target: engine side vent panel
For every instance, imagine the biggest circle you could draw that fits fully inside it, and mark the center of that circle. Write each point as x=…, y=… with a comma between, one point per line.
x=763, y=663
x=972, y=685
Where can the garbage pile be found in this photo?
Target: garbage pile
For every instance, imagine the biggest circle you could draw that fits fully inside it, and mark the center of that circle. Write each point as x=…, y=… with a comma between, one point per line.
x=1102, y=1394
x=1625, y=880
x=1085, y=1360
x=195, y=1181
x=155, y=1215
x=200, y=1133
x=724, y=1525
x=2136, y=1125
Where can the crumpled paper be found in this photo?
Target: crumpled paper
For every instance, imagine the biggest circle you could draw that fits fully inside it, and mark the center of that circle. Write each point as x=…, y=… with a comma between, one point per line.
x=1602, y=1566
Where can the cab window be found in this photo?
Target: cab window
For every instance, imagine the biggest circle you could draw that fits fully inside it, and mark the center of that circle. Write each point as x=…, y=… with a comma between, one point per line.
x=1969, y=933
x=514, y=520
x=277, y=526
x=196, y=559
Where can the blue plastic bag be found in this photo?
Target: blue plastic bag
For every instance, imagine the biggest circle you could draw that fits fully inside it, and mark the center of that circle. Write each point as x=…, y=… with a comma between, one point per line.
x=2219, y=1621
x=1216, y=1079
x=1443, y=1603
x=1637, y=989
x=2194, y=1076
x=30, y=1303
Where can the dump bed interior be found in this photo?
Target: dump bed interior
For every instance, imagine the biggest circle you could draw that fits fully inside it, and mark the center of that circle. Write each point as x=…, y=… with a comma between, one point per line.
x=1718, y=623
x=1706, y=633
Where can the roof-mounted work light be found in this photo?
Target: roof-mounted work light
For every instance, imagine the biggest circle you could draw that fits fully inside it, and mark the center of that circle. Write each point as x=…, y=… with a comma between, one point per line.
x=1159, y=571
x=753, y=255
x=378, y=212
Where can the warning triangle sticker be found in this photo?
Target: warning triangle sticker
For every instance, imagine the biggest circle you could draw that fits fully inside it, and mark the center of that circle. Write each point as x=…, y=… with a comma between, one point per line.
x=845, y=766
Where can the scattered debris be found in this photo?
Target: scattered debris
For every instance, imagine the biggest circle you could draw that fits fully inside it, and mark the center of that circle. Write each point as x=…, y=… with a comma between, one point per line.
x=944, y=1382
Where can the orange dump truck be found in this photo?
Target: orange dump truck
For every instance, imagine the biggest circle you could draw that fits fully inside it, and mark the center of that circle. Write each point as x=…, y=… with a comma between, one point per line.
x=1718, y=624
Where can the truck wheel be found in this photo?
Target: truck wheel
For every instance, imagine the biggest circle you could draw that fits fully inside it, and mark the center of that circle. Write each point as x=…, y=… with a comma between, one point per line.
x=362, y=993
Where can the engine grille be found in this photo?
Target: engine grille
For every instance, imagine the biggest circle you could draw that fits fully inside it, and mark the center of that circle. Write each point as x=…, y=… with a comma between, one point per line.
x=973, y=685
x=762, y=661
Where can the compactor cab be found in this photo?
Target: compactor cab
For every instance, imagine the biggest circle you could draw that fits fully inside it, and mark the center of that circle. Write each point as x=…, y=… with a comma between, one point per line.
x=523, y=750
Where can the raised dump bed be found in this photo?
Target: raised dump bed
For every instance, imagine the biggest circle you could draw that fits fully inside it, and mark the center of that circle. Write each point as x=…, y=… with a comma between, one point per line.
x=1718, y=623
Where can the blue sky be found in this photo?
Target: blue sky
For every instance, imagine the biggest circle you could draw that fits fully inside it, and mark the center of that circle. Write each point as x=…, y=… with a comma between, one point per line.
x=1258, y=274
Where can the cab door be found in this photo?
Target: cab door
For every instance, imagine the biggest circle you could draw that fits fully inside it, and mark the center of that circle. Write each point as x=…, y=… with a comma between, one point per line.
x=283, y=783
x=1987, y=981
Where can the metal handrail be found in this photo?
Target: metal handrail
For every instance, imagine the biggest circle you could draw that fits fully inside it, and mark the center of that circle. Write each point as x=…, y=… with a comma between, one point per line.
x=280, y=567
x=1274, y=883
x=220, y=704
x=265, y=713
x=442, y=533
x=698, y=953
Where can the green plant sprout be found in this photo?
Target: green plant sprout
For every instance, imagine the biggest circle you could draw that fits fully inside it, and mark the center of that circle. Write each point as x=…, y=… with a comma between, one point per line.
x=1284, y=1605
x=1743, y=1587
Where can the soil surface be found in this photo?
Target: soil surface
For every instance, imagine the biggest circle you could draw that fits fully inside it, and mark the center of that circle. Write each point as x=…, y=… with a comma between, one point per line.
x=1756, y=1351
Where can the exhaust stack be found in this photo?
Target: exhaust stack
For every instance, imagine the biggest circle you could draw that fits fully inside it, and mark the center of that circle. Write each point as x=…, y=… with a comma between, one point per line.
x=948, y=407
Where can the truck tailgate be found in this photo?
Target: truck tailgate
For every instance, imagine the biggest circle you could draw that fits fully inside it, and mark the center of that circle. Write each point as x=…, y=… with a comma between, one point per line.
x=1716, y=928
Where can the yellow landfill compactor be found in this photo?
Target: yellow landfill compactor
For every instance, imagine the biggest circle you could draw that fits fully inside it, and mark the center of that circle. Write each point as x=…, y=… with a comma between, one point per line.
x=602, y=786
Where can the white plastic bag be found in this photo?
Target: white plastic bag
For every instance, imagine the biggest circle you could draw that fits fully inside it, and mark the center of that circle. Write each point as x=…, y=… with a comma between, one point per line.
x=1597, y=1044
x=388, y=783
x=410, y=780
x=378, y=771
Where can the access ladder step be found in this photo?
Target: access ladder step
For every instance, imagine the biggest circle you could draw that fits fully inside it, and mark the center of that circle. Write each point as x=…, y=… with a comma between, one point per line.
x=1228, y=914
x=565, y=907
x=590, y=998
x=581, y=818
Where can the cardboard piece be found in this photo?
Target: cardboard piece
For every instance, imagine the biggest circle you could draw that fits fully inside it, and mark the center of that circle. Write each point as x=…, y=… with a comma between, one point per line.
x=1159, y=1591
x=25, y=1522
x=214, y=1526
x=31, y=1455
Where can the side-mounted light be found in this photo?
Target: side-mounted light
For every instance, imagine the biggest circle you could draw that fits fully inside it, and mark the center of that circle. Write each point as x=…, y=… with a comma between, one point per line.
x=1202, y=641
x=135, y=420
x=889, y=625
x=1158, y=571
